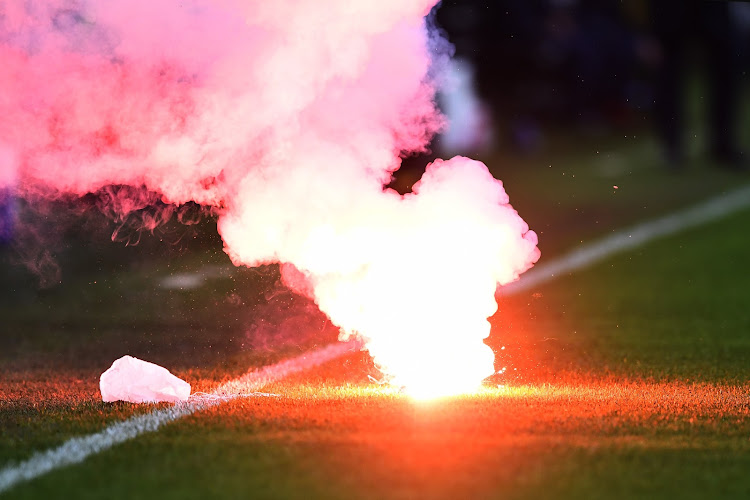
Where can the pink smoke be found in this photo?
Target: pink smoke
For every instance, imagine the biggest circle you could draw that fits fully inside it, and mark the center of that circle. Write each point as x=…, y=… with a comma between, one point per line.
x=287, y=118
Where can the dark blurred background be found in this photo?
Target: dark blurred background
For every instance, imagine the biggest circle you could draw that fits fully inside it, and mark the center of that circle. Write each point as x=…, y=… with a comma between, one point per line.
x=526, y=70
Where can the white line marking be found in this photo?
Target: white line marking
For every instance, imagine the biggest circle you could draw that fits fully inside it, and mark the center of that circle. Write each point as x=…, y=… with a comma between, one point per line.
x=635, y=236
x=77, y=449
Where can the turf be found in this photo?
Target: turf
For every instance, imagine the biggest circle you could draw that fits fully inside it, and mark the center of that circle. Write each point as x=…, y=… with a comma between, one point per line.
x=624, y=380
x=327, y=437
x=674, y=309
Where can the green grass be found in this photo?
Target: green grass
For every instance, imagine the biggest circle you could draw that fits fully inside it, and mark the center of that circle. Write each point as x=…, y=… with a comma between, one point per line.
x=675, y=309
x=642, y=395
x=55, y=342
x=326, y=438
x=625, y=380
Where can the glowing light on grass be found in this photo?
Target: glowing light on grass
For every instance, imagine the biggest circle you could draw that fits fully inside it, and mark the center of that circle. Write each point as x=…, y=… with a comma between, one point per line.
x=287, y=119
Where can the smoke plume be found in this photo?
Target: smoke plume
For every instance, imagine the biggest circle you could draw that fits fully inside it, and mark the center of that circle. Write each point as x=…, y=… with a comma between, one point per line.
x=287, y=118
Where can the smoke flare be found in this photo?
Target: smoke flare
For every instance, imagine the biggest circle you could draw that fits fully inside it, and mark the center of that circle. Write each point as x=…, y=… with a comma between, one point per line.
x=287, y=118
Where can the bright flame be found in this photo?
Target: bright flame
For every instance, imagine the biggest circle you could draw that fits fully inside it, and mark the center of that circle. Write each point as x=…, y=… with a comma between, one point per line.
x=415, y=277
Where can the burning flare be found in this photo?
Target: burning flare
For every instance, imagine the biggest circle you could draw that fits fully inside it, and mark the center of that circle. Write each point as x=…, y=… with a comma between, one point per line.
x=288, y=118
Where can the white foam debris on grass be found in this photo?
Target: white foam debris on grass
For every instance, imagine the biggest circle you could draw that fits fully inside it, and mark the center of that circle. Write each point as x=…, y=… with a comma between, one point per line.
x=77, y=449
x=137, y=381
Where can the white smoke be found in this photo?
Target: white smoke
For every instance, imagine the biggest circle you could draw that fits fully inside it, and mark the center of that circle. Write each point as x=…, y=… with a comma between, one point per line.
x=288, y=118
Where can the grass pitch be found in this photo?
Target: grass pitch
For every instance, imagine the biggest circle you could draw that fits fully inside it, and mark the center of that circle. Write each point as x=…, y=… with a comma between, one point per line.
x=625, y=380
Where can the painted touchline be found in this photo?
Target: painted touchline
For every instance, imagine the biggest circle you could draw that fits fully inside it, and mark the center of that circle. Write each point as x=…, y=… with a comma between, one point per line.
x=77, y=449
x=632, y=237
